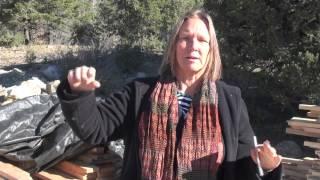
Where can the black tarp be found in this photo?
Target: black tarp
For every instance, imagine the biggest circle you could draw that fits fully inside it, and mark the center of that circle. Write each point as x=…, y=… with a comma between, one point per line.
x=34, y=135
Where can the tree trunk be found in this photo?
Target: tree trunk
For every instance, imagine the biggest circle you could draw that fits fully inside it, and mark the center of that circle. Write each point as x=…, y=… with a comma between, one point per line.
x=26, y=32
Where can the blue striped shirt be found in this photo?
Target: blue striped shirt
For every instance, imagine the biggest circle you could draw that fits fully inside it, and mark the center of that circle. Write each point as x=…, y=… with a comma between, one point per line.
x=184, y=101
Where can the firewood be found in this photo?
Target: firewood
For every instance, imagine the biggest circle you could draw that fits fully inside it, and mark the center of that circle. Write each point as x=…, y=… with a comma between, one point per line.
x=302, y=133
x=309, y=107
x=311, y=130
x=314, y=145
x=79, y=171
x=11, y=172
x=53, y=174
x=313, y=114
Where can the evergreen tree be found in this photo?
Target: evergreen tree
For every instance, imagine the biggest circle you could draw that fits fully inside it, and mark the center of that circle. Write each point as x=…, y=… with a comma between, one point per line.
x=273, y=47
x=38, y=16
x=143, y=24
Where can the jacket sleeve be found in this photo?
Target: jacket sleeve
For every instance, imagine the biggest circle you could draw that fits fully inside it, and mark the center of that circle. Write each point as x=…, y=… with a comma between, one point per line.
x=246, y=168
x=95, y=121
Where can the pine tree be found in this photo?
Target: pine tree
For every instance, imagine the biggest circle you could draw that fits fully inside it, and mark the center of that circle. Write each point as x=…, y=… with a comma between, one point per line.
x=273, y=47
x=142, y=24
x=38, y=18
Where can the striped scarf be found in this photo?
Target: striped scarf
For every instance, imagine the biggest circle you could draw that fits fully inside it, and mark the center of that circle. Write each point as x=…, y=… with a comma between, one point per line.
x=199, y=151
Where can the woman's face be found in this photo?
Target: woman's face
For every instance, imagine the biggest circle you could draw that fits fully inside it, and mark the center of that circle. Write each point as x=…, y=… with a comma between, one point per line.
x=192, y=48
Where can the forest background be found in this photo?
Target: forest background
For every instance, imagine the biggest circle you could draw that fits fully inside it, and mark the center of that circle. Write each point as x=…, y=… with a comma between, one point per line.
x=270, y=49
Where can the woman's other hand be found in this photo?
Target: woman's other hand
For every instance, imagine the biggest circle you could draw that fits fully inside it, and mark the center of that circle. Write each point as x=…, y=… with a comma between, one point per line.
x=83, y=79
x=269, y=159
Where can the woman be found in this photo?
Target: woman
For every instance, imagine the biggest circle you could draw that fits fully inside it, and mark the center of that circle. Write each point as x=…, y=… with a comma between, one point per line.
x=184, y=124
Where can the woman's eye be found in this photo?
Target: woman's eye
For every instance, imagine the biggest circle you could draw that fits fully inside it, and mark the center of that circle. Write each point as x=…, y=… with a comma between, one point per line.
x=204, y=41
x=184, y=38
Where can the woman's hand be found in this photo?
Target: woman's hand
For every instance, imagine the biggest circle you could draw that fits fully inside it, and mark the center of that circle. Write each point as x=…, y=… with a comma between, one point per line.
x=269, y=159
x=83, y=79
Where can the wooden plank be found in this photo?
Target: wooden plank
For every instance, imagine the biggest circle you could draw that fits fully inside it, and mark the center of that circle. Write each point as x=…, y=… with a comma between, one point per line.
x=303, y=124
x=310, y=161
x=53, y=174
x=293, y=173
x=313, y=114
x=77, y=170
x=301, y=133
x=11, y=172
x=114, y=175
x=316, y=167
x=300, y=169
x=97, y=150
x=67, y=165
x=291, y=160
x=317, y=152
x=312, y=177
x=106, y=170
x=310, y=144
x=306, y=120
x=309, y=107
x=315, y=173
x=311, y=130
x=303, y=167
x=294, y=126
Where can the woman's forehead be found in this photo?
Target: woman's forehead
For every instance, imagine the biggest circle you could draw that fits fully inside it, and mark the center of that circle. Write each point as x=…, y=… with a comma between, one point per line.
x=194, y=24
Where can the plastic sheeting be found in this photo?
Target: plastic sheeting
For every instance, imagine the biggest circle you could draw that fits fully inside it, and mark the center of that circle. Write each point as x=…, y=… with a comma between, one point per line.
x=34, y=135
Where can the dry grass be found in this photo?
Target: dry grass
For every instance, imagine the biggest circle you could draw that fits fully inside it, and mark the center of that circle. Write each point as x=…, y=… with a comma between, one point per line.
x=37, y=53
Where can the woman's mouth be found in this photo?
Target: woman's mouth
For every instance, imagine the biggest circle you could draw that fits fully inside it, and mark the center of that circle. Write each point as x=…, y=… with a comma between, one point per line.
x=192, y=58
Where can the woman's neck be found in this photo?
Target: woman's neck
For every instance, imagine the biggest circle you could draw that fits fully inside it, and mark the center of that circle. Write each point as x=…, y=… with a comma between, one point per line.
x=189, y=85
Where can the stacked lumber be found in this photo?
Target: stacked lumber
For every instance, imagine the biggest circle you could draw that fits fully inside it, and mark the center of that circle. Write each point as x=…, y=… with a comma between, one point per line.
x=307, y=168
x=9, y=171
x=304, y=127
x=309, y=126
x=313, y=110
x=51, y=174
x=301, y=169
x=92, y=165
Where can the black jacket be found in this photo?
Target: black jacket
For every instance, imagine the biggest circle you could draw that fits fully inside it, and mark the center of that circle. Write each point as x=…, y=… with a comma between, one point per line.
x=116, y=117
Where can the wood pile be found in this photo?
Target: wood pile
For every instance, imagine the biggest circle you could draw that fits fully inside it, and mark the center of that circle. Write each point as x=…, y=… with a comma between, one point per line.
x=307, y=168
x=301, y=169
x=9, y=171
x=93, y=165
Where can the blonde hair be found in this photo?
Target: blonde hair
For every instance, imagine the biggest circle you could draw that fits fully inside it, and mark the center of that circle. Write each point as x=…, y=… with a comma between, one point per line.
x=213, y=67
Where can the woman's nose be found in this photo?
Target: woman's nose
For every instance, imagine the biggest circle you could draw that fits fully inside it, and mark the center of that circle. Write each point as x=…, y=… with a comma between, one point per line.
x=194, y=44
